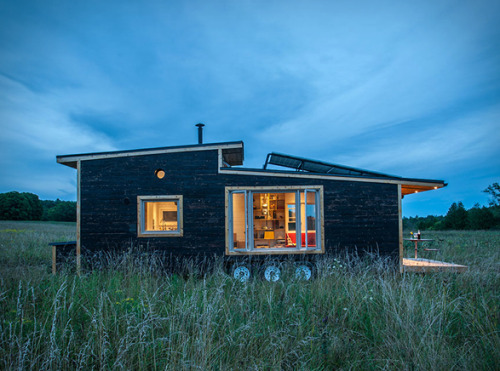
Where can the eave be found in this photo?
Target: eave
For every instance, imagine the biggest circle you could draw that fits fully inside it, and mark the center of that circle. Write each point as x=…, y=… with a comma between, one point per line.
x=408, y=185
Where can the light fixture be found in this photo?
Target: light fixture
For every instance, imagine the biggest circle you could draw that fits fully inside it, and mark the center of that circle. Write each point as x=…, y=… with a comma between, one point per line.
x=160, y=173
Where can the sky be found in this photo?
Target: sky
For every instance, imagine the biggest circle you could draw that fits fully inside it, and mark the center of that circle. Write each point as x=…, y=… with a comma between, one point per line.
x=404, y=88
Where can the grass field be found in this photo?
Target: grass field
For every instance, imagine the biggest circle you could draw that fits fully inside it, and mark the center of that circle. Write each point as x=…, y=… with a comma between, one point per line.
x=356, y=314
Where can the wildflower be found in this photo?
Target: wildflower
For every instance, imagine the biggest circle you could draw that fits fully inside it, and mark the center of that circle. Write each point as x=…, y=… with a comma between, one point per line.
x=345, y=309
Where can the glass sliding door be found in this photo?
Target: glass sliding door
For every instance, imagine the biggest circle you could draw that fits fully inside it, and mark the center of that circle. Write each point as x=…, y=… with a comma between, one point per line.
x=268, y=215
x=308, y=218
x=278, y=219
x=239, y=220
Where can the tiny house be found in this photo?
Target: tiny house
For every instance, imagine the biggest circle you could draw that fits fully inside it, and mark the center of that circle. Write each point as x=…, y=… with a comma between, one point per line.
x=198, y=200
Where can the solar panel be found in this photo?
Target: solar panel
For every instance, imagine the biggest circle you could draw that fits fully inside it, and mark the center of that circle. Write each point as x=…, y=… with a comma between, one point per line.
x=313, y=166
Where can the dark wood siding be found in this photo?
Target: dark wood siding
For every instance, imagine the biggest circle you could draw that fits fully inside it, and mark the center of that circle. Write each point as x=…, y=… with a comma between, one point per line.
x=357, y=214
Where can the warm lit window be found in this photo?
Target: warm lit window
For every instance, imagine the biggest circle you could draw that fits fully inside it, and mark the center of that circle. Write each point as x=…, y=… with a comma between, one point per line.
x=159, y=216
x=262, y=219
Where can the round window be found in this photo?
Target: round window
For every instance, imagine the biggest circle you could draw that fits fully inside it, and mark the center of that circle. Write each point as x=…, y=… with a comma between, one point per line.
x=160, y=174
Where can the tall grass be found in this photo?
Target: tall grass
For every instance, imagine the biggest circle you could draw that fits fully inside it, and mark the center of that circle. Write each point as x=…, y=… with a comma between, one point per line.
x=356, y=314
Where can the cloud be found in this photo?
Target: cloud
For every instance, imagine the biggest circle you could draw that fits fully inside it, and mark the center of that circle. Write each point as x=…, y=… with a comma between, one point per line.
x=39, y=122
x=347, y=82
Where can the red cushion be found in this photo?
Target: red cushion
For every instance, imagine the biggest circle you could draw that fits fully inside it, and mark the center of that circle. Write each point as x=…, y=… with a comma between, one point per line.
x=311, y=239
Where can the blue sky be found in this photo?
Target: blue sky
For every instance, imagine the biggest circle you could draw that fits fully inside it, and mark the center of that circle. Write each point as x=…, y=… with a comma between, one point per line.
x=406, y=88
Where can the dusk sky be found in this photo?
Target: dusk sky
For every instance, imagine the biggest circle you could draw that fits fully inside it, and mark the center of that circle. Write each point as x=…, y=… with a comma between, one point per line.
x=406, y=88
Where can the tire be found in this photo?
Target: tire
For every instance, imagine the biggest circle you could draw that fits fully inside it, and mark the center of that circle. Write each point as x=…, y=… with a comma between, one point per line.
x=272, y=273
x=304, y=272
x=241, y=272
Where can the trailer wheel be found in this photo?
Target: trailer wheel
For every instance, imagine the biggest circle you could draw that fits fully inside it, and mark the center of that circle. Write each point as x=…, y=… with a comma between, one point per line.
x=303, y=272
x=241, y=273
x=272, y=273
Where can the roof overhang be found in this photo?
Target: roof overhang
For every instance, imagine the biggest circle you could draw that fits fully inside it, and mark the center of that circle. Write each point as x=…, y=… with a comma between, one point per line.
x=408, y=185
x=408, y=188
x=320, y=169
x=232, y=153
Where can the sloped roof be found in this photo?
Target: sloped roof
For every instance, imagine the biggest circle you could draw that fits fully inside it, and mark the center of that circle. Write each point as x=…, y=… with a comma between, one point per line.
x=308, y=166
x=232, y=153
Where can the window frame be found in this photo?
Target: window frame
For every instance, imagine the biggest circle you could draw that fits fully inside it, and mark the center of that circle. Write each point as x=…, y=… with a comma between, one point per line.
x=141, y=201
x=249, y=241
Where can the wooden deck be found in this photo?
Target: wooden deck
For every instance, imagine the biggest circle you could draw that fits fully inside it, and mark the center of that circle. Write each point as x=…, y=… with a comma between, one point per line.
x=427, y=266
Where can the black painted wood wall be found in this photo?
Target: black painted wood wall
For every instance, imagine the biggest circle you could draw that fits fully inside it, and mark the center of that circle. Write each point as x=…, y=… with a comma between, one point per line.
x=356, y=214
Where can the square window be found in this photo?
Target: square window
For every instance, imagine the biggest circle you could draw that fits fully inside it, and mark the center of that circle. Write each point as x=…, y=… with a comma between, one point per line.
x=159, y=216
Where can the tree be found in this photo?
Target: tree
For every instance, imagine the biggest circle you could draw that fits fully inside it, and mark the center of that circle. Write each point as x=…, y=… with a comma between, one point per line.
x=480, y=218
x=35, y=206
x=494, y=191
x=20, y=206
x=456, y=218
x=60, y=211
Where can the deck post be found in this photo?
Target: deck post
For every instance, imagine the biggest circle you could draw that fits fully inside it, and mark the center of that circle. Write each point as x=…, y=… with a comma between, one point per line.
x=400, y=228
x=54, y=260
x=78, y=216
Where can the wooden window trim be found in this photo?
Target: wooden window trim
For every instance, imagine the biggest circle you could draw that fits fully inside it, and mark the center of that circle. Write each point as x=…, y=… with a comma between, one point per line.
x=140, y=213
x=232, y=252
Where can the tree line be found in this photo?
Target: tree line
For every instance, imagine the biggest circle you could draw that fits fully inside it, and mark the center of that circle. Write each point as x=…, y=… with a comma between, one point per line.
x=27, y=206
x=459, y=218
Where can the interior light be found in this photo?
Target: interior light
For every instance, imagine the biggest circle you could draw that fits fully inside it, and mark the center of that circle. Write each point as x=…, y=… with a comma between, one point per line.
x=160, y=173
x=416, y=191
x=435, y=187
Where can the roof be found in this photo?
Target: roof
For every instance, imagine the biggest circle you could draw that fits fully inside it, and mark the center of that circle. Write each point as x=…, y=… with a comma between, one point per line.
x=232, y=153
x=324, y=169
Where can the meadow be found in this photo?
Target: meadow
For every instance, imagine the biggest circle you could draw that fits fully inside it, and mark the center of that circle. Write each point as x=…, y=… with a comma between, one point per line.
x=358, y=313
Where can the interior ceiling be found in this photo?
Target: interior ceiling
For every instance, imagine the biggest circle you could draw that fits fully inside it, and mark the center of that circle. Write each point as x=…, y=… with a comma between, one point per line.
x=409, y=189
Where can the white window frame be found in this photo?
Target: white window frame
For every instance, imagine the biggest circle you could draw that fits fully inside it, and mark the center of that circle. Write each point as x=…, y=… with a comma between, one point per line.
x=249, y=240
x=141, y=230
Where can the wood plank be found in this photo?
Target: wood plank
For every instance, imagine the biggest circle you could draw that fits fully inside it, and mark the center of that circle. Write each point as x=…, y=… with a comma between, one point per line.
x=54, y=257
x=226, y=212
x=269, y=251
x=427, y=266
x=78, y=216
x=400, y=228
x=269, y=188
